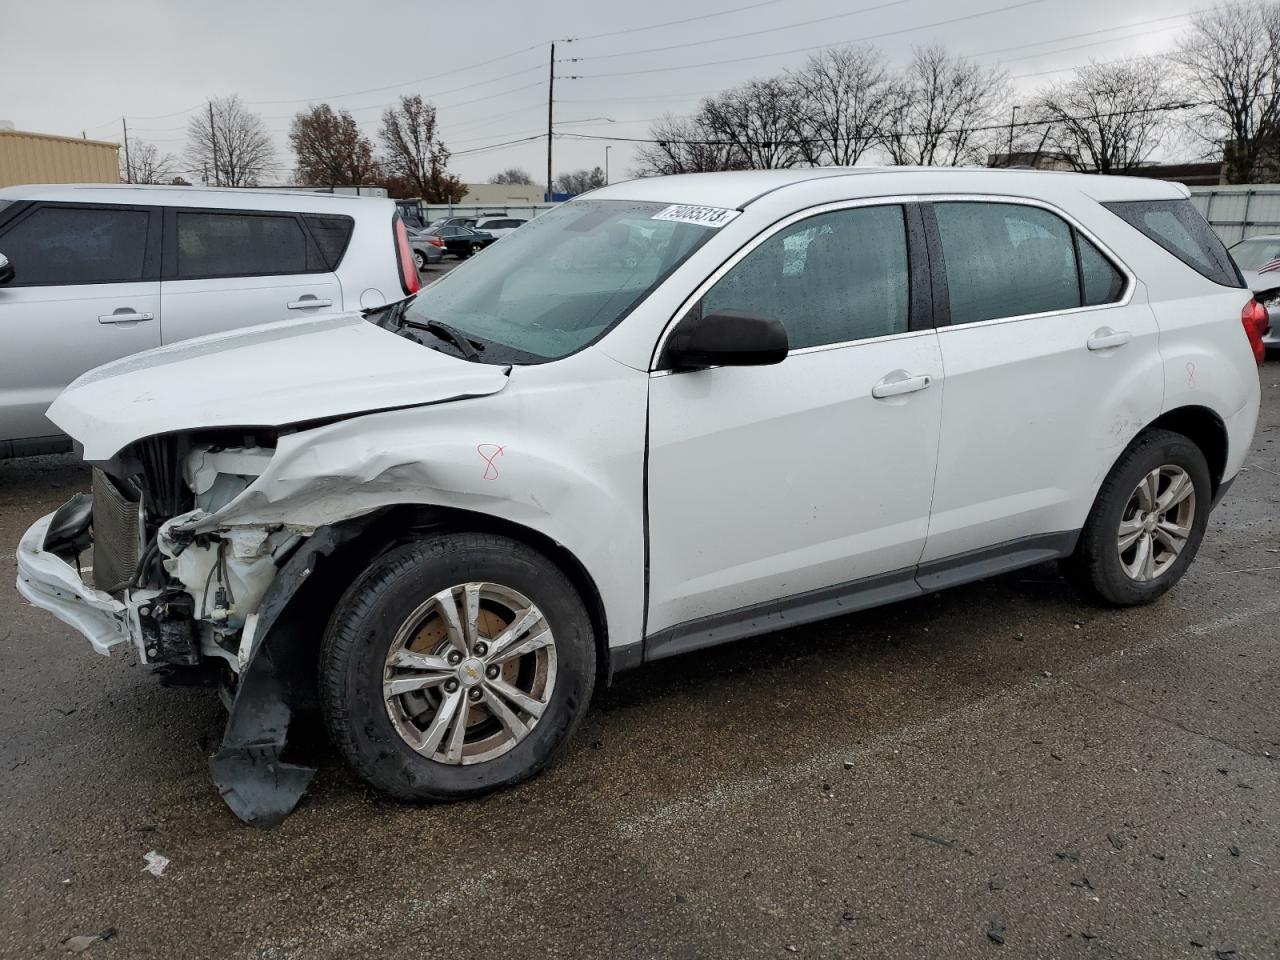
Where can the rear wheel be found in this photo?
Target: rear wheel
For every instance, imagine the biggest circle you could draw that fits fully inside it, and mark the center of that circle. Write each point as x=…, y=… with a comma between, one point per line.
x=455, y=666
x=419, y=259
x=1147, y=522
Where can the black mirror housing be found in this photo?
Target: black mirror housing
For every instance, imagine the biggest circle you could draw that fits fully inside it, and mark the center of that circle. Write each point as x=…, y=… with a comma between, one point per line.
x=725, y=339
x=6, y=269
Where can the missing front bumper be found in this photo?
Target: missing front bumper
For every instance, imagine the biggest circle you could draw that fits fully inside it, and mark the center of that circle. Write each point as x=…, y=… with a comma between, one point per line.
x=49, y=582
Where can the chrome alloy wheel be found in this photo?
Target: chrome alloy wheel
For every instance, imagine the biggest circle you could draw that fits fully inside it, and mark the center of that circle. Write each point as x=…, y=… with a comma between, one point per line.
x=1156, y=522
x=470, y=673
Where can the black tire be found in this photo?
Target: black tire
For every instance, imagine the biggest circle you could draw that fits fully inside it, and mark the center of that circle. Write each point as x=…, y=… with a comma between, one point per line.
x=420, y=259
x=476, y=248
x=1096, y=567
x=365, y=623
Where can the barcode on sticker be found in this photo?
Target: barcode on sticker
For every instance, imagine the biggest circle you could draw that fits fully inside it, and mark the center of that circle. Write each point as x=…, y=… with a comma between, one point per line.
x=692, y=213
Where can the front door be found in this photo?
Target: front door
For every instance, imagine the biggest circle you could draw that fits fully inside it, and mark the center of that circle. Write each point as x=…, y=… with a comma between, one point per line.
x=812, y=476
x=86, y=291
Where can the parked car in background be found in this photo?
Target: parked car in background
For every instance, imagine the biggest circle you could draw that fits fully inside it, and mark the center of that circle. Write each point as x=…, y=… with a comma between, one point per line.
x=101, y=272
x=462, y=242
x=1259, y=261
x=453, y=222
x=676, y=412
x=500, y=226
x=427, y=247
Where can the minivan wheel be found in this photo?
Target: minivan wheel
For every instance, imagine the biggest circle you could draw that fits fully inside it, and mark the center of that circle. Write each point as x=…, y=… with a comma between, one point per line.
x=1147, y=522
x=454, y=666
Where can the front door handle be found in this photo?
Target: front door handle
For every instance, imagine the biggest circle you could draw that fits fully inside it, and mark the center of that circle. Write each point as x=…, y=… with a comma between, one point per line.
x=125, y=315
x=898, y=382
x=1105, y=338
x=306, y=301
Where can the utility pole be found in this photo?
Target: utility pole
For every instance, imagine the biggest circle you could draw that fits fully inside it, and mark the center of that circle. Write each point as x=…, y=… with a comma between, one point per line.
x=213, y=140
x=128, y=166
x=606, y=164
x=1013, y=118
x=551, y=91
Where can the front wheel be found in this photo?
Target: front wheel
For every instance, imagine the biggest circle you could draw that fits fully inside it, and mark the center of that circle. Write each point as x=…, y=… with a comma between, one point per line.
x=455, y=666
x=1147, y=522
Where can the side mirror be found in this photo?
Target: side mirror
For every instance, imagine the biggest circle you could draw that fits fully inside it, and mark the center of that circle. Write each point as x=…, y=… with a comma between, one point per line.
x=6, y=269
x=725, y=339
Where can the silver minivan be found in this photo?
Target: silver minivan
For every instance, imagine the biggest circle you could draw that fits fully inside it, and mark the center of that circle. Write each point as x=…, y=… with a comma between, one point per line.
x=99, y=272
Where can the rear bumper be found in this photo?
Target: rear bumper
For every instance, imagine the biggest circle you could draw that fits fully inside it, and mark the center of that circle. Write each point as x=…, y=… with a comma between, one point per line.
x=50, y=583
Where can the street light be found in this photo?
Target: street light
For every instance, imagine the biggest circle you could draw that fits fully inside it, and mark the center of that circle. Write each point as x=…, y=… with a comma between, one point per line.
x=606, y=164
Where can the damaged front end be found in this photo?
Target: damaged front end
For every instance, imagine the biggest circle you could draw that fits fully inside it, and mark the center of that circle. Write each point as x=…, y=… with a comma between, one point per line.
x=135, y=563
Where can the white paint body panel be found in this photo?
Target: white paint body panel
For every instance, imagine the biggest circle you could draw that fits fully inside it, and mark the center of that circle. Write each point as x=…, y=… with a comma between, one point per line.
x=767, y=482
x=197, y=308
x=272, y=375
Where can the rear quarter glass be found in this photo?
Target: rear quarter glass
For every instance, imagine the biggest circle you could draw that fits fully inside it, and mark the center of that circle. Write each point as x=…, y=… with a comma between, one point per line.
x=1178, y=227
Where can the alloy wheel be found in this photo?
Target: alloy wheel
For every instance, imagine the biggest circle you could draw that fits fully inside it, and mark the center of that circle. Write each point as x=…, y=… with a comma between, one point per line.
x=1156, y=523
x=469, y=673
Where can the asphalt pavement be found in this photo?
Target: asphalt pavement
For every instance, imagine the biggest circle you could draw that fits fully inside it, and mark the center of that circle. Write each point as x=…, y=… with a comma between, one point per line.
x=998, y=762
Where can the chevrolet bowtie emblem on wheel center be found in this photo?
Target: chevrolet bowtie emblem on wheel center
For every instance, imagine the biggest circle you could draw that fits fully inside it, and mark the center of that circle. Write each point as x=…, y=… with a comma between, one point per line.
x=470, y=672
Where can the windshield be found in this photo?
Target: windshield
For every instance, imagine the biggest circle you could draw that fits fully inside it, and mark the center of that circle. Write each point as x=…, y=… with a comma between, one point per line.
x=1255, y=254
x=561, y=281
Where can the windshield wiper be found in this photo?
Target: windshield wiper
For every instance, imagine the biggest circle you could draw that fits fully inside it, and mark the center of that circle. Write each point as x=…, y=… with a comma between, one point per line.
x=442, y=330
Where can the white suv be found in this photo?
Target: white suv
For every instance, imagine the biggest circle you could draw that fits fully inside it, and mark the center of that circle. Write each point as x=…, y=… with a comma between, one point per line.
x=100, y=272
x=673, y=413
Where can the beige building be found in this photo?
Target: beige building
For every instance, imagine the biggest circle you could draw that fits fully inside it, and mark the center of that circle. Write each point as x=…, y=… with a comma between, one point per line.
x=44, y=158
x=503, y=194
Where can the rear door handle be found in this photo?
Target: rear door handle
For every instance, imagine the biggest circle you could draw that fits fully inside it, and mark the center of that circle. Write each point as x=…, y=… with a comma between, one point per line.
x=1106, y=338
x=125, y=315
x=898, y=382
x=307, y=301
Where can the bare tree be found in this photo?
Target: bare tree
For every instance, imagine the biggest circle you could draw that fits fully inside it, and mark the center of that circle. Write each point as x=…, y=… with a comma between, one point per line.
x=513, y=175
x=579, y=181
x=844, y=97
x=330, y=149
x=231, y=143
x=685, y=145
x=414, y=151
x=1231, y=57
x=758, y=118
x=1108, y=118
x=940, y=106
x=144, y=163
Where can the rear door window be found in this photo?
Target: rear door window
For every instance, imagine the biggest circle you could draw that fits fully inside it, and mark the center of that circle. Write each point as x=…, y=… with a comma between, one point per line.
x=77, y=245
x=1006, y=260
x=232, y=244
x=1178, y=227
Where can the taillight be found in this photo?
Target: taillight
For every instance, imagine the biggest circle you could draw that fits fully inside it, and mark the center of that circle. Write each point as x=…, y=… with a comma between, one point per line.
x=1256, y=320
x=409, y=280
x=435, y=241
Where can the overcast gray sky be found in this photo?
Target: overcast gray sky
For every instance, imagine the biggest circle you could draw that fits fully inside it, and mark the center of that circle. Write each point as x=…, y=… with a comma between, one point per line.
x=68, y=67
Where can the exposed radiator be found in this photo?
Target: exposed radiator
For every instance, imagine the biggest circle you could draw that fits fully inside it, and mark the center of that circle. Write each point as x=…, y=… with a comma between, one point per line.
x=116, y=534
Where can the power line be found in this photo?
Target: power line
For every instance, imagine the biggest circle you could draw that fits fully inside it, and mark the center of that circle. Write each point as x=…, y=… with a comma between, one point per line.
x=410, y=83
x=823, y=46
x=1090, y=33
x=673, y=23
x=739, y=36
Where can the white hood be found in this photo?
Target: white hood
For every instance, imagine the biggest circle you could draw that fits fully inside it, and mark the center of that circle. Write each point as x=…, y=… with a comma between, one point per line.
x=1261, y=281
x=269, y=376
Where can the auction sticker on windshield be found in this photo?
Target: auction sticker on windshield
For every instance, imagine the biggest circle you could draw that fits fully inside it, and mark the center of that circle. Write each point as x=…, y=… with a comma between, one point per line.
x=715, y=217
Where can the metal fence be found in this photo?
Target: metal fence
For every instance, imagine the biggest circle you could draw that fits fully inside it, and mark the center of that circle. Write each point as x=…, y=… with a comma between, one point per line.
x=1240, y=211
x=434, y=211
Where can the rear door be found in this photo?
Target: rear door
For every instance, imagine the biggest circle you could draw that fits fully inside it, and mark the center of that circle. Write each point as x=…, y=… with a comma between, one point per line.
x=1053, y=365
x=233, y=268
x=86, y=291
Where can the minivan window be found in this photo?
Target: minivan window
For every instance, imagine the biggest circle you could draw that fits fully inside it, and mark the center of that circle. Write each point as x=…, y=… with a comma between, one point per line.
x=830, y=278
x=1178, y=227
x=218, y=244
x=1006, y=260
x=75, y=245
x=560, y=281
